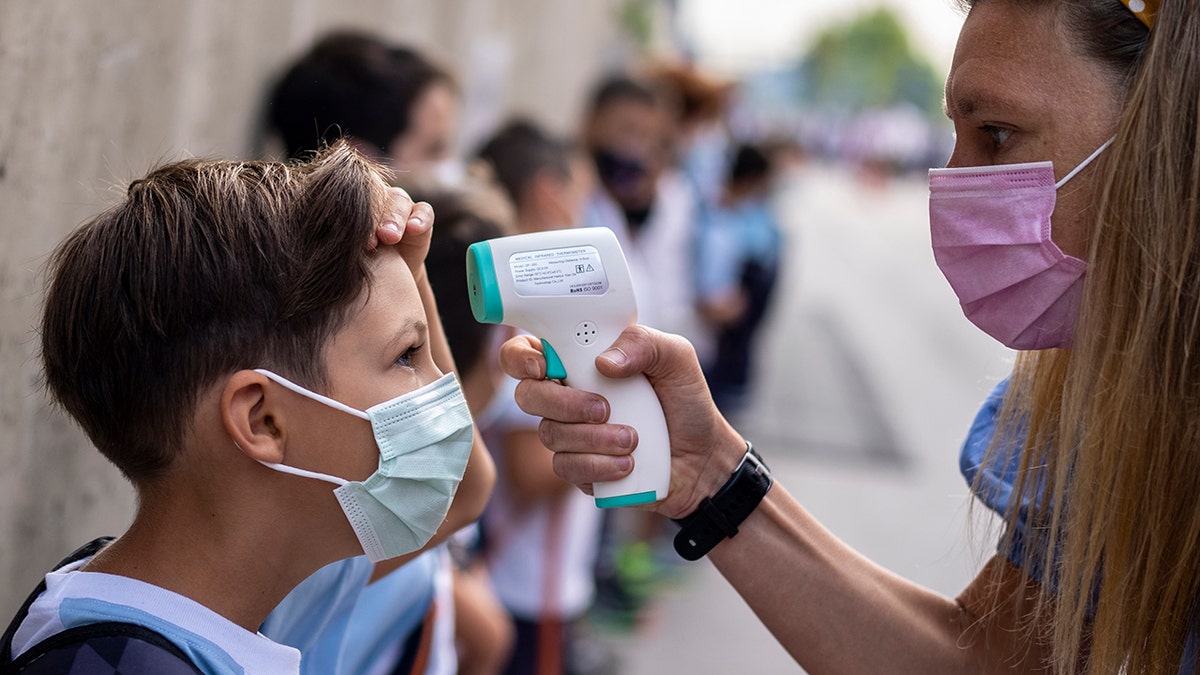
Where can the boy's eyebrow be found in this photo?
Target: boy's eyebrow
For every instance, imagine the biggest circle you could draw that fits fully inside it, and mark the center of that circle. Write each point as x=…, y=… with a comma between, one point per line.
x=406, y=331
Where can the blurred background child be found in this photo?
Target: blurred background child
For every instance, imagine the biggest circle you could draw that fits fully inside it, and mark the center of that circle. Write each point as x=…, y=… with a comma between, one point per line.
x=392, y=104
x=540, y=533
x=738, y=251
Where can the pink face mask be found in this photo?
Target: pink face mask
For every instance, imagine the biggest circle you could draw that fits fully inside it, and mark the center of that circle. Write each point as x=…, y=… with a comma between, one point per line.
x=991, y=238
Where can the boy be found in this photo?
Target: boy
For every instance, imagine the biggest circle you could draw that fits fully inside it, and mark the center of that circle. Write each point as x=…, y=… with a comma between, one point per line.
x=394, y=105
x=188, y=331
x=541, y=534
x=738, y=252
x=647, y=202
x=546, y=178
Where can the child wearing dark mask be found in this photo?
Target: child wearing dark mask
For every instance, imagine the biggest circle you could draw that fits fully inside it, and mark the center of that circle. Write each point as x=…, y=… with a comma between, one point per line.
x=648, y=203
x=236, y=340
x=654, y=211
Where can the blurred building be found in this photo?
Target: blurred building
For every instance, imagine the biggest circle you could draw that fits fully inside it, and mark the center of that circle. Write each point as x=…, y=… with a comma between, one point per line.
x=93, y=94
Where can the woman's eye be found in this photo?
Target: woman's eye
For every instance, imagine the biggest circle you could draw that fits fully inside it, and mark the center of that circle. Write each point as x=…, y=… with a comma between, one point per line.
x=998, y=134
x=409, y=356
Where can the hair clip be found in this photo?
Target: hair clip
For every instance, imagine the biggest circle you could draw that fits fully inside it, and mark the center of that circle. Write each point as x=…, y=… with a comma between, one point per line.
x=1144, y=10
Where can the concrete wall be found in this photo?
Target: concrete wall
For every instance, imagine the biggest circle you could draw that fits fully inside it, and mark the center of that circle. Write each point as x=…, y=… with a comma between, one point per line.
x=93, y=93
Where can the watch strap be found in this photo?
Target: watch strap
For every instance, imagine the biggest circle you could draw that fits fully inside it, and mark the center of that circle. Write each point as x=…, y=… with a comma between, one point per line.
x=718, y=516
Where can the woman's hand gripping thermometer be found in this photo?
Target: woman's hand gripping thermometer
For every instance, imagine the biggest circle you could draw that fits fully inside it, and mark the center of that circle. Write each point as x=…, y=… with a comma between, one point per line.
x=572, y=289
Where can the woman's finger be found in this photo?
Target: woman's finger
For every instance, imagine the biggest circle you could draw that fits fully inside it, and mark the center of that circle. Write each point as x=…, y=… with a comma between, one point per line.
x=600, y=439
x=586, y=469
x=543, y=398
x=521, y=358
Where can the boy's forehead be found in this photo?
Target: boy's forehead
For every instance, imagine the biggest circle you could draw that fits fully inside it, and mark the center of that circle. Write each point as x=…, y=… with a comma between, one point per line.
x=391, y=287
x=385, y=319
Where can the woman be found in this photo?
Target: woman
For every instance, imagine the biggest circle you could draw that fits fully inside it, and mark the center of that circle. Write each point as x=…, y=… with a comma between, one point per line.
x=1092, y=453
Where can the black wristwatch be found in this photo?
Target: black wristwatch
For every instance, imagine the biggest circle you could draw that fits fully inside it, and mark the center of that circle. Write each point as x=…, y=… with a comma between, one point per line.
x=718, y=516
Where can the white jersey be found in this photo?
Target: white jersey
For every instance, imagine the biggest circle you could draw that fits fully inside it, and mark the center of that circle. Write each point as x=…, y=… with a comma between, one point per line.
x=661, y=258
x=540, y=559
x=216, y=644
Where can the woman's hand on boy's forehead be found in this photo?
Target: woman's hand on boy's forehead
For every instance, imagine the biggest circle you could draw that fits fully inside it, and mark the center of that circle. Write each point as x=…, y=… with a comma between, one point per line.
x=412, y=238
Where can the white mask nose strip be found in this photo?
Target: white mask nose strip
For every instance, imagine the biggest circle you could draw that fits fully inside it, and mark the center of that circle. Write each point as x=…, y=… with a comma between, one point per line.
x=1084, y=163
x=288, y=384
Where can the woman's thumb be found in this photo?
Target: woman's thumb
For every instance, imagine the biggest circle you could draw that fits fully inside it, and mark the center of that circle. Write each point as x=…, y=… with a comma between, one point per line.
x=644, y=350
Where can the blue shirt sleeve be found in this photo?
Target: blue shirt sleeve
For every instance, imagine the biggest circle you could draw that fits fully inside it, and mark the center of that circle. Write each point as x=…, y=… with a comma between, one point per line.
x=992, y=477
x=314, y=616
x=718, y=254
x=386, y=613
x=342, y=625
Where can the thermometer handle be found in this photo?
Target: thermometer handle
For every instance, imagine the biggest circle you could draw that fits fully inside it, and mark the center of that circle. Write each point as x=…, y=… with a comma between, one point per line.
x=632, y=402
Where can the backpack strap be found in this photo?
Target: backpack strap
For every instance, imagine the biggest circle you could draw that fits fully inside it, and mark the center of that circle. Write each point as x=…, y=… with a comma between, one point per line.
x=87, y=550
x=104, y=649
x=98, y=648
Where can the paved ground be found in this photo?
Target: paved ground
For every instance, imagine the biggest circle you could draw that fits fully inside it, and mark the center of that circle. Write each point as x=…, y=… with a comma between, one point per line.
x=869, y=378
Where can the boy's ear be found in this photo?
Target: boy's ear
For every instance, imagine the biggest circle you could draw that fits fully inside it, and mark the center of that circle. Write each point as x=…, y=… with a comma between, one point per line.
x=253, y=418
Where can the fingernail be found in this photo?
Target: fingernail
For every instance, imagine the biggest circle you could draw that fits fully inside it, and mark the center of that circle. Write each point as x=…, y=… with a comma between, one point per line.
x=615, y=356
x=391, y=225
x=416, y=221
x=624, y=462
x=532, y=370
x=598, y=411
x=624, y=438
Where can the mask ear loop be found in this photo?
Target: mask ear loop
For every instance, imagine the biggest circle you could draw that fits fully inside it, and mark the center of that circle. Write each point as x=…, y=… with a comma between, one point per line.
x=1084, y=163
x=336, y=405
x=303, y=473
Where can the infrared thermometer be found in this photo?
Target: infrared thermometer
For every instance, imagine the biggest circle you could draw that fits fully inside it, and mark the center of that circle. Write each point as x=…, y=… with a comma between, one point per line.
x=572, y=290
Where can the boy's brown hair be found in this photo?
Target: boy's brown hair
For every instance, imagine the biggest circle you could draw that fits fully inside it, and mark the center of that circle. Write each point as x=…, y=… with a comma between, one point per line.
x=206, y=268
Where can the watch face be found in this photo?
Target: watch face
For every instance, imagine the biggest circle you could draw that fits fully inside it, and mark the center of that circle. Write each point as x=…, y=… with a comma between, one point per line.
x=719, y=515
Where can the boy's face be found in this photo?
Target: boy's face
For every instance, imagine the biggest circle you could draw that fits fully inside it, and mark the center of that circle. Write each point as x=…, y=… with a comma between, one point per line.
x=382, y=352
x=636, y=134
x=430, y=134
x=557, y=201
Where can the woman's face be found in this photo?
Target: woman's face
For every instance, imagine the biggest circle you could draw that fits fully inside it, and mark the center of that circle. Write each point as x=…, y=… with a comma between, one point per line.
x=1019, y=91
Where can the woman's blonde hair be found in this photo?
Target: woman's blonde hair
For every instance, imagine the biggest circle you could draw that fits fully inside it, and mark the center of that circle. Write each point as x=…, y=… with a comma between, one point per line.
x=1107, y=498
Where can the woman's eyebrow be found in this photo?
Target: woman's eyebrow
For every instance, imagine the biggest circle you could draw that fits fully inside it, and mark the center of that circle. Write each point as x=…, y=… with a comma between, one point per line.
x=974, y=100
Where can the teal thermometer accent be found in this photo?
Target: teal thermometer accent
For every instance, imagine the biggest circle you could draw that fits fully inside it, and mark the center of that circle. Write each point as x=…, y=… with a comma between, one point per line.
x=572, y=289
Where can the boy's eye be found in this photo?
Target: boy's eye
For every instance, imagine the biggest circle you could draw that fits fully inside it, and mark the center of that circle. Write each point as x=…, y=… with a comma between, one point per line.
x=409, y=356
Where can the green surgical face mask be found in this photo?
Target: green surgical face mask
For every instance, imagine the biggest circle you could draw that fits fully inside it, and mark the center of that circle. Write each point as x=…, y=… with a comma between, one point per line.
x=424, y=439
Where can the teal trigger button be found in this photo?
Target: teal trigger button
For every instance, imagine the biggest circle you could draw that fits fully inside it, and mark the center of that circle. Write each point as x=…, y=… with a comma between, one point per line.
x=554, y=365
